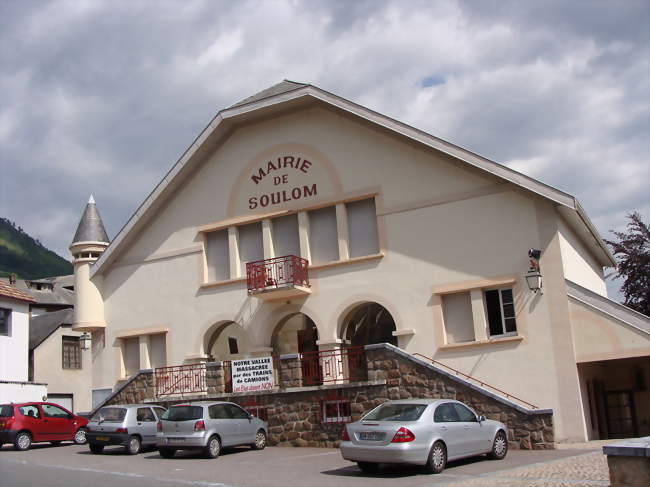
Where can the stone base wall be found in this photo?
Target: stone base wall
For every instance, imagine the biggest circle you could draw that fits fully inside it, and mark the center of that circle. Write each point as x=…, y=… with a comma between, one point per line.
x=410, y=378
x=134, y=391
x=295, y=415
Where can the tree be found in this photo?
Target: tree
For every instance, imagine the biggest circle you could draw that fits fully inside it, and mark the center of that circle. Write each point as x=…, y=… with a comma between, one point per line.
x=633, y=253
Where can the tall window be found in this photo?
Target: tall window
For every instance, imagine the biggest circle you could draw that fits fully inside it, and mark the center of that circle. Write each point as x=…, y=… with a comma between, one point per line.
x=5, y=315
x=71, y=348
x=500, y=307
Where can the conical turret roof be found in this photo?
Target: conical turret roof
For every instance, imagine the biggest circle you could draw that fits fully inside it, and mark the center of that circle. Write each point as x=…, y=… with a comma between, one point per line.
x=90, y=228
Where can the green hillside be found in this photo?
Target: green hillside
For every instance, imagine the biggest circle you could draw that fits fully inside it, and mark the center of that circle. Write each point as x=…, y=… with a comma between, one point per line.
x=26, y=257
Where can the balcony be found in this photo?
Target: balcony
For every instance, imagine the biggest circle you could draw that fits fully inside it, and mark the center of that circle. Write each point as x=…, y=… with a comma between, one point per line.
x=278, y=278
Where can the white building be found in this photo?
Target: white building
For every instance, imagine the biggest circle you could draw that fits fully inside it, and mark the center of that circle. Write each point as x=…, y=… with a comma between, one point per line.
x=363, y=230
x=14, y=336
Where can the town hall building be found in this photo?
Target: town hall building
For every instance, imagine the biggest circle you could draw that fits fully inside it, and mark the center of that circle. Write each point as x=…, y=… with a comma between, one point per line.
x=302, y=228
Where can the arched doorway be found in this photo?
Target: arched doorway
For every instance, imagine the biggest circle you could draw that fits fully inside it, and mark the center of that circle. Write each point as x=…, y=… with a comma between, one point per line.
x=228, y=342
x=297, y=333
x=369, y=323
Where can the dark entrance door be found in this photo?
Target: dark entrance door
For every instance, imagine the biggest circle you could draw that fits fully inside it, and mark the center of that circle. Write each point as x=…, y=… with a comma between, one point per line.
x=619, y=409
x=308, y=350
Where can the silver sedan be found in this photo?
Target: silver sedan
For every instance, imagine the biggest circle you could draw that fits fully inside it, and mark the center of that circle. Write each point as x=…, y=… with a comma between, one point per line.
x=426, y=432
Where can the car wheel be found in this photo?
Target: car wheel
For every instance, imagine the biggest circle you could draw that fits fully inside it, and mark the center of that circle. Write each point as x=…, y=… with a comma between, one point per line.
x=133, y=446
x=499, y=446
x=260, y=440
x=368, y=467
x=55, y=443
x=95, y=448
x=22, y=441
x=80, y=436
x=437, y=458
x=213, y=448
x=167, y=452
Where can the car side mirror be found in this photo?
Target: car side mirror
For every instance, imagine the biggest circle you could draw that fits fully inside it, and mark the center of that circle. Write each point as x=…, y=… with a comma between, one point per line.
x=481, y=418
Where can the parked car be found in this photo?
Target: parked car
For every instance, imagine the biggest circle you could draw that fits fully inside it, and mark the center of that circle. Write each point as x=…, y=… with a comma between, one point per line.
x=426, y=432
x=34, y=422
x=130, y=425
x=208, y=426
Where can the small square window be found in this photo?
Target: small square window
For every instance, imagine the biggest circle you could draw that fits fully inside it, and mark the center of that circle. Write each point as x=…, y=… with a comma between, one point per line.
x=336, y=411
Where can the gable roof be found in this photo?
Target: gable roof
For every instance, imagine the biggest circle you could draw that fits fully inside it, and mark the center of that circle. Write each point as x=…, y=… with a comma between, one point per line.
x=43, y=325
x=57, y=296
x=277, y=89
x=12, y=292
x=290, y=94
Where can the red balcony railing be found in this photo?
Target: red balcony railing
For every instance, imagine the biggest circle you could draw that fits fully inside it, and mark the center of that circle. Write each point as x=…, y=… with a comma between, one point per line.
x=180, y=379
x=339, y=365
x=277, y=273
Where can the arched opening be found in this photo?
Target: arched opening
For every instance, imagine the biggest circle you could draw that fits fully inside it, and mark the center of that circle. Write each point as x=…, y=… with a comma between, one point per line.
x=228, y=342
x=369, y=323
x=297, y=333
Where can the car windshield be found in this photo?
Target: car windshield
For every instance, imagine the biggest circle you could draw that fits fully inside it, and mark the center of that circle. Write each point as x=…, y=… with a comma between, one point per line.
x=113, y=415
x=6, y=410
x=396, y=412
x=183, y=413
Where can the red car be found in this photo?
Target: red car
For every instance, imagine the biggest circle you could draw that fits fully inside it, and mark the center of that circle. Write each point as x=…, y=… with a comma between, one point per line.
x=30, y=422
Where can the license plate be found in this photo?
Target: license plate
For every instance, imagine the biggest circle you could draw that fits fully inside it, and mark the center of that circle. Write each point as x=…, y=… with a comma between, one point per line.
x=102, y=438
x=371, y=436
x=175, y=440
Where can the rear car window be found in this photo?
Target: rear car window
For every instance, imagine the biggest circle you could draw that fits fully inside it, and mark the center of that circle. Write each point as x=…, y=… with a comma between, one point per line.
x=396, y=412
x=6, y=411
x=30, y=410
x=112, y=415
x=183, y=413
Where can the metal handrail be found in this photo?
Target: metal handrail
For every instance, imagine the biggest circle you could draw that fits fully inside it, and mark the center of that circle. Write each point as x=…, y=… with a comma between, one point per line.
x=480, y=382
x=168, y=379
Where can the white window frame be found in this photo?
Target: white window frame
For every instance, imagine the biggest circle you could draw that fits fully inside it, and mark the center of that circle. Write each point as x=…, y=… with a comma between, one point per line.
x=6, y=329
x=503, y=317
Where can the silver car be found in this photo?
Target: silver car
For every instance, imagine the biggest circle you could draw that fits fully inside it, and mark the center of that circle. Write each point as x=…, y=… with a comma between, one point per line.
x=209, y=426
x=130, y=425
x=426, y=432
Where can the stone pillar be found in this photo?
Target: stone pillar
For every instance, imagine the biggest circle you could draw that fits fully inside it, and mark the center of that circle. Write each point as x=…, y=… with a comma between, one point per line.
x=215, y=379
x=233, y=246
x=145, y=343
x=290, y=371
x=342, y=229
x=303, y=233
x=333, y=362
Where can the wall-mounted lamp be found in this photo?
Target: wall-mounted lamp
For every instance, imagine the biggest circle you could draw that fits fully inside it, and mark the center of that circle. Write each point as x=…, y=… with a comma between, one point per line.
x=85, y=341
x=534, y=276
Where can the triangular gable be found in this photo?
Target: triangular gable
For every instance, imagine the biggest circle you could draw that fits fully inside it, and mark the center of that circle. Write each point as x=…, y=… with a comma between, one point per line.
x=287, y=95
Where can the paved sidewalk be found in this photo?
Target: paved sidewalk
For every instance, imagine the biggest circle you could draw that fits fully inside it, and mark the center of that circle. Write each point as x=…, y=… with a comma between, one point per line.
x=586, y=469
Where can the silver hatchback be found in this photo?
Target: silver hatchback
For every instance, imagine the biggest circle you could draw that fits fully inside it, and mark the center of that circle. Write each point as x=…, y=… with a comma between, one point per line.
x=130, y=425
x=426, y=432
x=208, y=426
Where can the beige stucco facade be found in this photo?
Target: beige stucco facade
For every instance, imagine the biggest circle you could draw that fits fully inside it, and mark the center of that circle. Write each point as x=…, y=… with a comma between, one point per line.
x=47, y=363
x=443, y=227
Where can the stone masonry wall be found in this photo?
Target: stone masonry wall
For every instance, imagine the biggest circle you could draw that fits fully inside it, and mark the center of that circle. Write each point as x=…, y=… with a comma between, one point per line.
x=407, y=378
x=134, y=391
x=294, y=416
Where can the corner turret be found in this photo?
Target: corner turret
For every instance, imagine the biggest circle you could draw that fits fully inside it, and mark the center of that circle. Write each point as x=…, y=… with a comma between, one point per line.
x=89, y=242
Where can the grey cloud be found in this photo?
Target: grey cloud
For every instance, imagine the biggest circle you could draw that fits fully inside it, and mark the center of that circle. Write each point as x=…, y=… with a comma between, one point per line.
x=103, y=97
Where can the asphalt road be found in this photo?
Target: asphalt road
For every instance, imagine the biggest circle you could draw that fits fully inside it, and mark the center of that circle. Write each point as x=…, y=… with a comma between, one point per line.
x=71, y=466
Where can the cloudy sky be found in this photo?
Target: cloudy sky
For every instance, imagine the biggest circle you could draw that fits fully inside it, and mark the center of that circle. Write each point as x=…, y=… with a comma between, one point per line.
x=102, y=97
